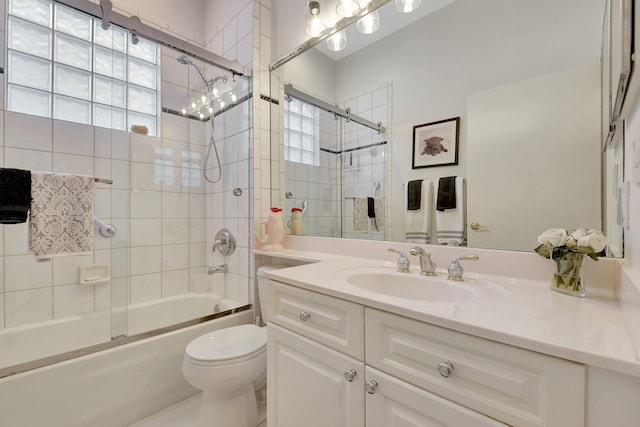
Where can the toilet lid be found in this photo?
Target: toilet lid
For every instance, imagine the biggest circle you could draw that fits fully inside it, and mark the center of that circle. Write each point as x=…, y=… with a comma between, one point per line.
x=233, y=344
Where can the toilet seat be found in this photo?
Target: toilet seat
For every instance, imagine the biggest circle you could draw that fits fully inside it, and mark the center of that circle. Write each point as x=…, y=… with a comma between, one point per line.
x=227, y=346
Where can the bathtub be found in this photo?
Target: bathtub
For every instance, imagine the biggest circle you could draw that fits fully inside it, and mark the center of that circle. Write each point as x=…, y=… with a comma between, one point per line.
x=109, y=388
x=44, y=339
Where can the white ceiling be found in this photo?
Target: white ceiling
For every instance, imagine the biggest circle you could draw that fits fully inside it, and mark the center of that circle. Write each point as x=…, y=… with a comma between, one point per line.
x=390, y=22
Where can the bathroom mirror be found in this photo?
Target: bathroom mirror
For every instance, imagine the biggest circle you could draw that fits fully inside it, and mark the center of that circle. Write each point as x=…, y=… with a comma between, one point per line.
x=527, y=92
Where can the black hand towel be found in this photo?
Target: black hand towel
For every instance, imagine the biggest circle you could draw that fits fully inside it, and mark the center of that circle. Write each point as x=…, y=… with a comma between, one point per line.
x=414, y=195
x=446, y=193
x=371, y=211
x=15, y=195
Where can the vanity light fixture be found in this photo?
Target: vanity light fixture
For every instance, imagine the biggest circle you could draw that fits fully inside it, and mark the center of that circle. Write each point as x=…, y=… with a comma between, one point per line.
x=407, y=6
x=369, y=24
x=347, y=8
x=314, y=27
x=338, y=41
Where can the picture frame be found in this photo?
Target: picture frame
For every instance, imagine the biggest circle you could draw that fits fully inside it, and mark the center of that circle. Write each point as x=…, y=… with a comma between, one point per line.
x=436, y=143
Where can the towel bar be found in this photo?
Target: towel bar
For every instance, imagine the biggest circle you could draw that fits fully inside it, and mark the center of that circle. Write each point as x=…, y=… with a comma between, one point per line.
x=103, y=180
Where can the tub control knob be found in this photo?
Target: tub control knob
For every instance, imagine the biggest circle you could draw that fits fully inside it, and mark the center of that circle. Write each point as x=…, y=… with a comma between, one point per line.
x=304, y=316
x=350, y=375
x=371, y=386
x=445, y=369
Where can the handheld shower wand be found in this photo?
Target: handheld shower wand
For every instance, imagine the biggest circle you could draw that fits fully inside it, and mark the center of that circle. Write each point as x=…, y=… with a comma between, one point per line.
x=212, y=142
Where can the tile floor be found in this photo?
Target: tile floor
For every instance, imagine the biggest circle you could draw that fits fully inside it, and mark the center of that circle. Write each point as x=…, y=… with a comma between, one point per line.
x=181, y=414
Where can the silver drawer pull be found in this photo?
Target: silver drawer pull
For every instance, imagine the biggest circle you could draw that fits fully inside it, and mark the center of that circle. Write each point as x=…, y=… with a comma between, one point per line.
x=371, y=386
x=350, y=375
x=304, y=316
x=445, y=369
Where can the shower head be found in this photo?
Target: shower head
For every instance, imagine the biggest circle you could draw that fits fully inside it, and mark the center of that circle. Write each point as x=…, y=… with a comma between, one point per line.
x=183, y=60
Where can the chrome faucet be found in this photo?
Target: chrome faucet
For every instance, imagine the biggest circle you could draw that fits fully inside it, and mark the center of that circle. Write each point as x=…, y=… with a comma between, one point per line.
x=403, y=261
x=427, y=266
x=455, y=269
x=222, y=268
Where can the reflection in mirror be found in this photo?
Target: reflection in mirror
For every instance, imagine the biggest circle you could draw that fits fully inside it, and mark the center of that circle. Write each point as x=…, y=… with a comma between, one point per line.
x=527, y=92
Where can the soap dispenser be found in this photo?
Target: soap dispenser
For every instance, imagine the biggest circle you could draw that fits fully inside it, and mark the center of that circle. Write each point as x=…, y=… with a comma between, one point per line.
x=274, y=232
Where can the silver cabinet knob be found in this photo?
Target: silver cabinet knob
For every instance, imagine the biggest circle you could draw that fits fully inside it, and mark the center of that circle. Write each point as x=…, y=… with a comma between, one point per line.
x=304, y=316
x=445, y=369
x=350, y=375
x=371, y=386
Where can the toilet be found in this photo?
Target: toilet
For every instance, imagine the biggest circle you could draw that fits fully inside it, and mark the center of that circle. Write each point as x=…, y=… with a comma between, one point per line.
x=226, y=365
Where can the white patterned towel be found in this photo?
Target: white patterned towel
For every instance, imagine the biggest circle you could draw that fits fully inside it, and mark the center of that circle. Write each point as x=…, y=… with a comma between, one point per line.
x=61, y=218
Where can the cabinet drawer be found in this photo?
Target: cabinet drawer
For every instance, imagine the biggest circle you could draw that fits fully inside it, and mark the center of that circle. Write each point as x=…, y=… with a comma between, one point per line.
x=336, y=323
x=396, y=403
x=515, y=386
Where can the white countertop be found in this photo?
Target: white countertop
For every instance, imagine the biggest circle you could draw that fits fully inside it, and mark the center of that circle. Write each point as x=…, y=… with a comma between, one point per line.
x=524, y=313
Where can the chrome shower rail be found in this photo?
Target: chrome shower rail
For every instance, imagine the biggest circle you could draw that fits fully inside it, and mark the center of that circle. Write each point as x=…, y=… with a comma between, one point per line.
x=134, y=26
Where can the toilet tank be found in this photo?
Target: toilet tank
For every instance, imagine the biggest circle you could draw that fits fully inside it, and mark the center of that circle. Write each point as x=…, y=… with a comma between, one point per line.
x=262, y=287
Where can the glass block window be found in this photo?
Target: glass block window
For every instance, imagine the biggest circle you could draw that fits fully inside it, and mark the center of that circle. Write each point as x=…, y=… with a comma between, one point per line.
x=301, y=132
x=62, y=64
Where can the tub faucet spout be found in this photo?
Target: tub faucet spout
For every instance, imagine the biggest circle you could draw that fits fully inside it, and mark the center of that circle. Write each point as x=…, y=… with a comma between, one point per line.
x=222, y=268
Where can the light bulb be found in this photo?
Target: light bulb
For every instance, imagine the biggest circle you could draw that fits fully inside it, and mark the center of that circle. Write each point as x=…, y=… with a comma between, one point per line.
x=222, y=104
x=210, y=109
x=204, y=99
x=215, y=91
x=369, y=24
x=407, y=6
x=201, y=115
x=184, y=111
x=234, y=98
x=347, y=8
x=193, y=104
x=314, y=27
x=338, y=41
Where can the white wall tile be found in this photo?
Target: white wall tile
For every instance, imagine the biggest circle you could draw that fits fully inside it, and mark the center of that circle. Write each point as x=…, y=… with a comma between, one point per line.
x=119, y=263
x=16, y=239
x=102, y=142
x=24, y=272
x=28, y=132
x=175, y=231
x=146, y=232
x=175, y=257
x=102, y=297
x=146, y=260
x=146, y=204
x=146, y=288
x=175, y=127
x=24, y=307
x=121, y=173
x=145, y=148
x=72, y=138
x=28, y=159
x=175, y=282
x=69, y=300
x=65, y=269
x=67, y=163
x=175, y=205
x=120, y=147
x=1, y=310
x=197, y=255
x=197, y=230
x=144, y=176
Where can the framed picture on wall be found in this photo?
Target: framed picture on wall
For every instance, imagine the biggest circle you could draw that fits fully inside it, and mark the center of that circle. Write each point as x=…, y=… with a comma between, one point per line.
x=436, y=143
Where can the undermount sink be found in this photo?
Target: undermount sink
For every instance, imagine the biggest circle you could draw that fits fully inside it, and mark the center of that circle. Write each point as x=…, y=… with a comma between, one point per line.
x=414, y=286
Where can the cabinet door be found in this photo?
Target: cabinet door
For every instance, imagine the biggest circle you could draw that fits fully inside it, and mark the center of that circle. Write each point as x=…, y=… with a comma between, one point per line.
x=307, y=384
x=395, y=403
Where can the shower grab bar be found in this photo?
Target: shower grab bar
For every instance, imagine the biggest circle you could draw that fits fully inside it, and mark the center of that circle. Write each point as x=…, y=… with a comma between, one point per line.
x=106, y=230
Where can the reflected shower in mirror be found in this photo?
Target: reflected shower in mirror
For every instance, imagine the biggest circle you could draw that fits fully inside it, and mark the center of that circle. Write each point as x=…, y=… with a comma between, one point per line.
x=527, y=92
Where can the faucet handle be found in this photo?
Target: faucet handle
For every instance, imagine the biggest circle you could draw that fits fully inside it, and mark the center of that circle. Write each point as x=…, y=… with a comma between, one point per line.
x=455, y=269
x=403, y=261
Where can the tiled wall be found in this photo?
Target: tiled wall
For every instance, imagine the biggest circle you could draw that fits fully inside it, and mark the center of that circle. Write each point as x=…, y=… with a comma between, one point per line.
x=165, y=214
x=363, y=168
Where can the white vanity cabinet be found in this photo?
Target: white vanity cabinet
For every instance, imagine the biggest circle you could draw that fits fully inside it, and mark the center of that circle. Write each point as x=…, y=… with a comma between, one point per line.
x=399, y=371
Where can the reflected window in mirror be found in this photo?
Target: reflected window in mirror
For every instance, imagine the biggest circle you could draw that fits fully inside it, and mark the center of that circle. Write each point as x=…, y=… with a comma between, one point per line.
x=301, y=132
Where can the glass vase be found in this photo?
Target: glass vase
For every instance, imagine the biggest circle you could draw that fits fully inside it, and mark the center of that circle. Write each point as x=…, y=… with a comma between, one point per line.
x=568, y=278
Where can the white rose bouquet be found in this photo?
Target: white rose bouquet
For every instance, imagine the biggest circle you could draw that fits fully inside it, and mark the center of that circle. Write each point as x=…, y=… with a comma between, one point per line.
x=556, y=243
x=568, y=251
